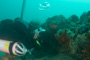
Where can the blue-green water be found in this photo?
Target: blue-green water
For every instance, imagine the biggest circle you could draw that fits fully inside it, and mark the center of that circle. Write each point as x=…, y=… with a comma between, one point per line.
x=12, y=8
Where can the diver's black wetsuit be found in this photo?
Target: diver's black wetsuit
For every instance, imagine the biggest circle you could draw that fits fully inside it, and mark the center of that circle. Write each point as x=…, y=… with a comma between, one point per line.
x=16, y=31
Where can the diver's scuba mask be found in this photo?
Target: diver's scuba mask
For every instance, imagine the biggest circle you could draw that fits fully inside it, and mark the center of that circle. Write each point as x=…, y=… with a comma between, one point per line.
x=37, y=31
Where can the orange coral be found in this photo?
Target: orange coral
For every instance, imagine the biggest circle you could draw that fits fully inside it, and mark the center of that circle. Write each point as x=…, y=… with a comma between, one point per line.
x=64, y=40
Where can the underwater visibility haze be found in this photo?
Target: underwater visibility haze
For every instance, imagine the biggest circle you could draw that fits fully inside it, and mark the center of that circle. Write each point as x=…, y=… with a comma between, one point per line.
x=50, y=29
x=12, y=8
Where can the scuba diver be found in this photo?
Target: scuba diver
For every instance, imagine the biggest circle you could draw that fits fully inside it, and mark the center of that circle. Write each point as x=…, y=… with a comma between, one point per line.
x=18, y=37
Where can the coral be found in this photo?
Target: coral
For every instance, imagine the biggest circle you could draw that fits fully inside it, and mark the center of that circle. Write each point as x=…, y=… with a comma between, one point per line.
x=64, y=38
x=74, y=18
x=83, y=17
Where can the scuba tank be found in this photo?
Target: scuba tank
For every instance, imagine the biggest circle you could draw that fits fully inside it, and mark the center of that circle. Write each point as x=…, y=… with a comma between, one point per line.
x=13, y=48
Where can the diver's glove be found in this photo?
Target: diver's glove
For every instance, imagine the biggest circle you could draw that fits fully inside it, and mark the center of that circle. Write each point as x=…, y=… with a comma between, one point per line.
x=13, y=48
x=19, y=49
